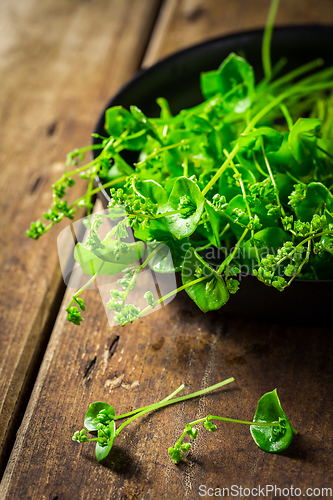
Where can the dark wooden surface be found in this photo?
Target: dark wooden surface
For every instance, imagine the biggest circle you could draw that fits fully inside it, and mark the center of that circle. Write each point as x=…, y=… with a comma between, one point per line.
x=60, y=63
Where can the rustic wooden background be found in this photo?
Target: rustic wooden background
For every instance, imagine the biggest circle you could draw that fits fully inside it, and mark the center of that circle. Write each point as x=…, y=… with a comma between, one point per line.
x=60, y=61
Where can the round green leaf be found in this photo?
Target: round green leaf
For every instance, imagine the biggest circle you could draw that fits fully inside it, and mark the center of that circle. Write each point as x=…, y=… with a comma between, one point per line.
x=305, y=131
x=251, y=144
x=234, y=80
x=117, y=120
x=169, y=258
x=93, y=410
x=153, y=191
x=185, y=193
x=209, y=294
x=317, y=195
x=135, y=251
x=228, y=185
x=269, y=410
x=103, y=451
x=91, y=264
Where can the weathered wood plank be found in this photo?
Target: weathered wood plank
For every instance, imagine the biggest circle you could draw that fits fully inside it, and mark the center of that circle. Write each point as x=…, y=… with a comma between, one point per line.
x=59, y=63
x=149, y=360
x=154, y=356
x=188, y=22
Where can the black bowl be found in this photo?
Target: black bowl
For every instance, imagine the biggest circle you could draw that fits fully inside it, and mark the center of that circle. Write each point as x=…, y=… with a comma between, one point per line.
x=177, y=78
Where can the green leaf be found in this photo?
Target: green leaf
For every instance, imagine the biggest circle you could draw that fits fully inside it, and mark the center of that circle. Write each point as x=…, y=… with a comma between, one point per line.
x=196, y=153
x=305, y=131
x=197, y=124
x=103, y=451
x=317, y=196
x=326, y=243
x=113, y=174
x=153, y=191
x=209, y=294
x=269, y=410
x=105, y=262
x=119, y=121
x=273, y=238
x=228, y=185
x=92, y=412
x=285, y=186
x=238, y=203
x=214, y=221
x=234, y=80
x=283, y=159
x=144, y=122
x=268, y=241
x=135, y=251
x=169, y=258
x=250, y=147
x=91, y=264
x=184, y=195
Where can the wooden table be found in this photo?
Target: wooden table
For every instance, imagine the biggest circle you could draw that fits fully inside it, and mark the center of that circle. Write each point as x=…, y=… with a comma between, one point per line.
x=60, y=63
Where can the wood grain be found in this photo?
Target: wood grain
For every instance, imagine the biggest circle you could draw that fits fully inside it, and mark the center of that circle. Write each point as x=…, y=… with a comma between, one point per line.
x=142, y=363
x=145, y=361
x=59, y=64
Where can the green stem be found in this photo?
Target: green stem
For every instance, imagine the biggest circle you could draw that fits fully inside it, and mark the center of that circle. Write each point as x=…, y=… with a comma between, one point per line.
x=152, y=254
x=296, y=89
x=213, y=417
x=296, y=72
x=220, y=171
x=183, y=142
x=164, y=403
x=253, y=122
x=180, y=388
x=266, y=45
x=91, y=280
x=89, y=195
x=185, y=167
x=74, y=172
x=97, y=190
x=170, y=294
x=276, y=191
x=275, y=70
x=240, y=180
x=233, y=253
x=295, y=178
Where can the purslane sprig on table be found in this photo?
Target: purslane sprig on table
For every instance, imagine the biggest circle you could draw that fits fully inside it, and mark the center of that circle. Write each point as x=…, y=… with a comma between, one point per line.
x=270, y=428
x=101, y=418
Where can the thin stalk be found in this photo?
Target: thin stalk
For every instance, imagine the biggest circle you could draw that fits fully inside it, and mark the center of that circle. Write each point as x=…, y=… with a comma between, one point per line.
x=164, y=403
x=266, y=45
x=233, y=253
x=97, y=190
x=91, y=280
x=296, y=72
x=276, y=191
x=170, y=294
x=119, y=417
x=152, y=254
